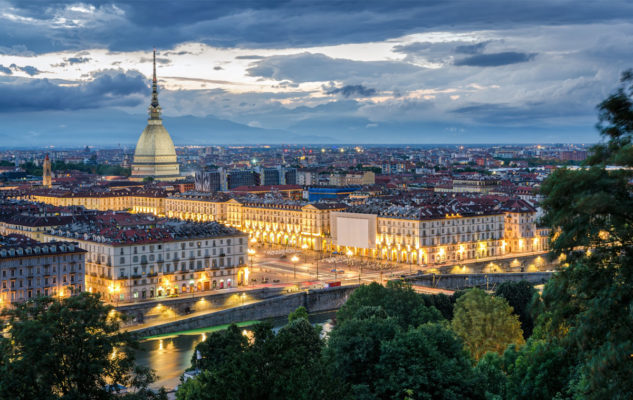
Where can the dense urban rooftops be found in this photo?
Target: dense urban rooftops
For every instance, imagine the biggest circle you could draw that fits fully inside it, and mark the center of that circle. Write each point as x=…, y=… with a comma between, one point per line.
x=429, y=205
x=124, y=228
x=12, y=246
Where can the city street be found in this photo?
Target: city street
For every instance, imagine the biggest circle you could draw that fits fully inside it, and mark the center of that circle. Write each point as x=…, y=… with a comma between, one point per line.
x=270, y=266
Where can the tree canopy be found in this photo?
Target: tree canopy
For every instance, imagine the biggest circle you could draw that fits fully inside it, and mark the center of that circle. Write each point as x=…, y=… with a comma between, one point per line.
x=397, y=299
x=285, y=365
x=586, y=309
x=485, y=323
x=68, y=349
x=519, y=296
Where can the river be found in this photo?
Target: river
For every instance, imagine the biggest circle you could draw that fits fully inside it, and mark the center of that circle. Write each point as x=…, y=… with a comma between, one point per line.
x=170, y=355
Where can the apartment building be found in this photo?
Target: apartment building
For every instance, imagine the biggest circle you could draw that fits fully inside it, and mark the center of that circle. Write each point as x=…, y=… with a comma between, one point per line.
x=285, y=222
x=458, y=229
x=353, y=179
x=133, y=257
x=29, y=269
x=196, y=206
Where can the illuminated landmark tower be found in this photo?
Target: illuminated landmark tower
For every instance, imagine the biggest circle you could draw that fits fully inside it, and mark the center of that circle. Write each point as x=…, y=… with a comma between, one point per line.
x=47, y=176
x=155, y=155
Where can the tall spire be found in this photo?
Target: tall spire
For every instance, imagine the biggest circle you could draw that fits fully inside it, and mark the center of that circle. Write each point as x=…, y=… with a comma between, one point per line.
x=154, y=108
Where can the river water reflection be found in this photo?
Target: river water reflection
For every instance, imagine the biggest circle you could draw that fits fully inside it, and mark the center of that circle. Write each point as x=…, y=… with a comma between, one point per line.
x=171, y=356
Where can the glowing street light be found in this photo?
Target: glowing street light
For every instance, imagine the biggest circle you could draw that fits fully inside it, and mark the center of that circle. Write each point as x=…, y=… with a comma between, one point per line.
x=294, y=260
x=305, y=256
x=251, y=253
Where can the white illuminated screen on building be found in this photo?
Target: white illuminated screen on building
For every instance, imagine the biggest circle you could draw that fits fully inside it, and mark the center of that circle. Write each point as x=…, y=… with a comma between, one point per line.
x=352, y=232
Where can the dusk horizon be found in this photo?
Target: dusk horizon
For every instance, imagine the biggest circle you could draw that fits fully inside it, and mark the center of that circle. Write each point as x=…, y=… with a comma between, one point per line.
x=80, y=73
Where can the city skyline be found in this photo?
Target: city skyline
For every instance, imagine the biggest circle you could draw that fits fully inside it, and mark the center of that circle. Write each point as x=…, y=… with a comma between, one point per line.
x=252, y=73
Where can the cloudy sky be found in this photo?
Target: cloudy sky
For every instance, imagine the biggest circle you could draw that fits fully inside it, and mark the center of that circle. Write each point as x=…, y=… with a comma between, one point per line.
x=293, y=71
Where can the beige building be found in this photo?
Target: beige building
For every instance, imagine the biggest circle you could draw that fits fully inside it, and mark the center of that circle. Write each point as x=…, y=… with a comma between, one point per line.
x=137, y=263
x=284, y=222
x=29, y=269
x=353, y=179
x=423, y=237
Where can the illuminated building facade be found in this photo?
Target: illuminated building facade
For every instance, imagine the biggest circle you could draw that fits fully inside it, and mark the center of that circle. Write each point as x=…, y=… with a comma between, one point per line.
x=283, y=222
x=132, y=258
x=434, y=235
x=29, y=269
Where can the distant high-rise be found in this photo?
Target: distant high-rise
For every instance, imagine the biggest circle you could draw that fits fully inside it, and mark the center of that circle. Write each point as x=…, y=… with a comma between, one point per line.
x=47, y=176
x=155, y=155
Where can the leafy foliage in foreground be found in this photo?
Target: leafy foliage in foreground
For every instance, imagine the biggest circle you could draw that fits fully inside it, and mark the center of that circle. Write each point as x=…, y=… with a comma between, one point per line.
x=68, y=349
x=485, y=323
x=587, y=309
x=286, y=365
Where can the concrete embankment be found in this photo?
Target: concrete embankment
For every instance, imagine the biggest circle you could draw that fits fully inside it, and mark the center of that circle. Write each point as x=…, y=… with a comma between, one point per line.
x=168, y=309
x=273, y=307
x=484, y=281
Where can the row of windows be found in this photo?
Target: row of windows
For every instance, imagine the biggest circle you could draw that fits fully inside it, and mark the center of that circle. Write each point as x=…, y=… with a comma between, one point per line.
x=38, y=281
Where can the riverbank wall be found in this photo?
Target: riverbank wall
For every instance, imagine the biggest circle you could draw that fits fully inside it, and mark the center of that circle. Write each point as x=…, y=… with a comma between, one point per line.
x=482, y=281
x=313, y=300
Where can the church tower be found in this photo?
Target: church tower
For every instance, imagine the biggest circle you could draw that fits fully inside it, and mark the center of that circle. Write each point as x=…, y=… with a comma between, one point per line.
x=155, y=154
x=47, y=176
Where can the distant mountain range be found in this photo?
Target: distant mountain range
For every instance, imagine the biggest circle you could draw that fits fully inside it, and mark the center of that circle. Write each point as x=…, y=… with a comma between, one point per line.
x=112, y=127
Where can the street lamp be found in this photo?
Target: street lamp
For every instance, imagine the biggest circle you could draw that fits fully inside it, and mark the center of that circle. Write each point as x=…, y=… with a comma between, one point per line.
x=304, y=247
x=251, y=253
x=294, y=260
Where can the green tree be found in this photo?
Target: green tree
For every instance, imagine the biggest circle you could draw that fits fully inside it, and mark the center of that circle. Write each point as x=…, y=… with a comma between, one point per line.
x=586, y=308
x=219, y=348
x=68, y=349
x=428, y=362
x=286, y=365
x=397, y=299
x=538, y=371
x=443, y=303
x=485, y=323
x=354, y=348
x=519, y=296
x=299, y=313
x=493, y=374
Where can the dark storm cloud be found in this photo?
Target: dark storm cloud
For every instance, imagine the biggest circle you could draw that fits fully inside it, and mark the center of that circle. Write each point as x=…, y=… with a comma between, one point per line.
x=527, y=113
x=249, y=57
x=28, y=69
x=217, y=68
x=109, y=88
x=310, y=67
x=159, y=60
x=495, y=59
x=471, y=48
x=352, y=91
x=141, y=24
x=78, y=60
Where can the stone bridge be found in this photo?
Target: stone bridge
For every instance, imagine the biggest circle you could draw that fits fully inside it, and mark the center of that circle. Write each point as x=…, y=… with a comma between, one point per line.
x=535, y=262
x=271, y=307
